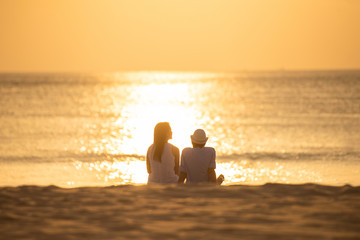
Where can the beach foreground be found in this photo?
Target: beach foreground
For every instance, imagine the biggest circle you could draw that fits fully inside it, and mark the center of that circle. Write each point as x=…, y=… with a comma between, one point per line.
x=270, y=211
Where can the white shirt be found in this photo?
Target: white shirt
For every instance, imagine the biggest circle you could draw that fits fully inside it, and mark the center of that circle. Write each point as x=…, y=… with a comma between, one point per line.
x=162, y=172
x=195, y=162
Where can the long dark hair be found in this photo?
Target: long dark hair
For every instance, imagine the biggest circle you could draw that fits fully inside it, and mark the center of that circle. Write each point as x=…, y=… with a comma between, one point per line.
x=161, y=136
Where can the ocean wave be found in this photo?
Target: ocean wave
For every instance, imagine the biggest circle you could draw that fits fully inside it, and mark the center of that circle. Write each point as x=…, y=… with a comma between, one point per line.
x=253, y=156
x=279, y=156
x=82, y=157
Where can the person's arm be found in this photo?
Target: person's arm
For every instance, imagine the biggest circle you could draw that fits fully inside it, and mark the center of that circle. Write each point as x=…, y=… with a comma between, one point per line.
x=148, y=167
x=212, y=175
x=176, y=153
x=212, y=166
x=182, y=169
x=182, y=177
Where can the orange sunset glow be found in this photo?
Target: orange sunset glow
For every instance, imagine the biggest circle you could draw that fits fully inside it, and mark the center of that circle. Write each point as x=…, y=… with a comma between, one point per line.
x=202, y=35
x=179, y=119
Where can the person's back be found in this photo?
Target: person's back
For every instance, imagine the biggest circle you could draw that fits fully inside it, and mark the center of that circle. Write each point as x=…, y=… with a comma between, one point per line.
x=196, y=162
x=162, y=171
x=162, y=158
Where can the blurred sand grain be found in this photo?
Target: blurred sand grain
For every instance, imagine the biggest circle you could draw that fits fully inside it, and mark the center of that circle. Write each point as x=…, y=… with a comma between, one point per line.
x=270, y=211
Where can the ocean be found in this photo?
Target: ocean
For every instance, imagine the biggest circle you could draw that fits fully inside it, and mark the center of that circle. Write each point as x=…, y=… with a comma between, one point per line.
x=73, y=130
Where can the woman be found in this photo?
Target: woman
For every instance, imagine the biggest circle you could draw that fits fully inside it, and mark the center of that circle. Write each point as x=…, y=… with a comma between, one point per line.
x=162, y=158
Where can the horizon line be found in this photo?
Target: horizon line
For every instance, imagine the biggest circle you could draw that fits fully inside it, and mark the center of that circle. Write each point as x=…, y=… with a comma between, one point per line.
x=181, y=71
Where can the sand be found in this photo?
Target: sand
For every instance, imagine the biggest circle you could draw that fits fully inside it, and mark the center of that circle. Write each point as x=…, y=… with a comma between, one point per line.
x=270, y=211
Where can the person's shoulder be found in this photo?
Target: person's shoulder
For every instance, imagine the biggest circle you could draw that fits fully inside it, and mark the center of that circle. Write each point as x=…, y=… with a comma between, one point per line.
x=149, y=150
x=187, y=149
x=210, y=149
x=173, y=146
x=150, y=147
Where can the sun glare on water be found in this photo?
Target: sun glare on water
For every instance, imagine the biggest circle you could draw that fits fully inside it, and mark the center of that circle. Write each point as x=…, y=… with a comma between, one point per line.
x=177, y=98
x=158, y=103
x=162, y=97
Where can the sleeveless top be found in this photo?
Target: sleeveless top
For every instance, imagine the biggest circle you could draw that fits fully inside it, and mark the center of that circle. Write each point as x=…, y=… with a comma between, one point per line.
x=162, y=172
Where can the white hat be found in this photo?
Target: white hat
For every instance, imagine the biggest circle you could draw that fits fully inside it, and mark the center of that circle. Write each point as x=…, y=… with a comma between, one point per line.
x=199, y=137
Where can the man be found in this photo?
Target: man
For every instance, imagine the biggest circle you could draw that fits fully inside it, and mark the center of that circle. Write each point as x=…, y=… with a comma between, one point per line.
x=198, y=163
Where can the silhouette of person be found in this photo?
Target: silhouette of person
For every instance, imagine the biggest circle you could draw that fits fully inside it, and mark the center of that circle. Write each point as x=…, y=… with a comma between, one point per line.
x=198, y=163
x=162, y=158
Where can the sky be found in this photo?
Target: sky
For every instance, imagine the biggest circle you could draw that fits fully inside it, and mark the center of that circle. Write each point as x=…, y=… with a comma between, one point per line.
x=174, y=35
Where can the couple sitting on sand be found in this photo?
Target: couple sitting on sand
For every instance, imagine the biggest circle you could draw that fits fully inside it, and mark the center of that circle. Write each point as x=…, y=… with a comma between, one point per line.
x=197, y=163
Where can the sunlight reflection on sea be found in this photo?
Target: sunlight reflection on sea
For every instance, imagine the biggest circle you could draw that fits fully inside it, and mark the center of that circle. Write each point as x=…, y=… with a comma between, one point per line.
x=76, y=130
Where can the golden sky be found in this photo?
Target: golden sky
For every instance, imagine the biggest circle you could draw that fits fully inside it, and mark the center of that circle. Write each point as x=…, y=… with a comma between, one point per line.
x=195, y=35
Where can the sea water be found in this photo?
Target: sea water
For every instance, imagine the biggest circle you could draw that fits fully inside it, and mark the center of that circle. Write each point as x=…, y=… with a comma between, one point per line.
x=94, y=129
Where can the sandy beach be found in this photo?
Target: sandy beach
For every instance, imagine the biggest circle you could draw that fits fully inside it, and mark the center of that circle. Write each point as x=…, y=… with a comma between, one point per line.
x=270, y=211
x=275, y=86
x=72, y=160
